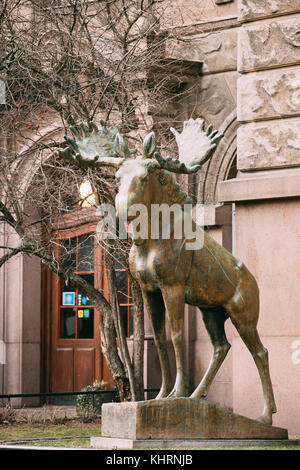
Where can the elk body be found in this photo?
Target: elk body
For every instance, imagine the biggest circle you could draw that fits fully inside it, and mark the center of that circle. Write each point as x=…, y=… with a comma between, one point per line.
x=170, y=274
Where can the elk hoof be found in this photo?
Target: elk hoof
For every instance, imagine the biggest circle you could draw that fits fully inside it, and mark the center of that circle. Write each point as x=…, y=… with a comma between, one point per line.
x=177, y=393
x=163, y=393
x=199, y=394
x=266, y=418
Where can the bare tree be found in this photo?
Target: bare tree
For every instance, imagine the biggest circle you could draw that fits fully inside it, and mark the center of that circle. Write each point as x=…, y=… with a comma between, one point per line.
x=64, y=62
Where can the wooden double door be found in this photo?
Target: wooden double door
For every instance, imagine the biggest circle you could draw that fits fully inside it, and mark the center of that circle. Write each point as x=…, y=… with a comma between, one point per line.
x=76, y=357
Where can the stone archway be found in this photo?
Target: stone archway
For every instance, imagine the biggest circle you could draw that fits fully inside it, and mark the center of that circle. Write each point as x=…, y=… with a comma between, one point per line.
x=219, y=168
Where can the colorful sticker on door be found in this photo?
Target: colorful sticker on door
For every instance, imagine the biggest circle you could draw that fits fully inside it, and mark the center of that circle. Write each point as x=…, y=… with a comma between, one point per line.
x=80, y=313
x=68, y=298
x=86, y=313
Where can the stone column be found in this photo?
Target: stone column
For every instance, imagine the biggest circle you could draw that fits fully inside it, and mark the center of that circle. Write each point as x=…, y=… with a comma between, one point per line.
x=267, y=197
x=2, y=318
x=20, y=312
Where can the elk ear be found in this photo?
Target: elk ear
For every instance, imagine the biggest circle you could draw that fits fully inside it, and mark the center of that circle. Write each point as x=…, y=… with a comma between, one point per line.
x=149, y=145
x=121, y=147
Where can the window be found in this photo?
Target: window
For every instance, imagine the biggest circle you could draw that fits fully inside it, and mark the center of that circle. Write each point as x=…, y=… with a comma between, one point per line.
x=87, y=195
x=84, y=197
x=76, y=311
x=232, y=171
x=124, y=299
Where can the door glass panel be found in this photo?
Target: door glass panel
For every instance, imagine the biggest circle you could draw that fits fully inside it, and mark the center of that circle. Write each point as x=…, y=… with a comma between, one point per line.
x=88, y=278
x=68, y=253
x=122, y=286
x=124, y=317
x=130, y=320
x=67, y=322
x=82, y=297
x=125, y=301
x=85, y=323
x=76, y=316
x=118, y=264
x=86, y=253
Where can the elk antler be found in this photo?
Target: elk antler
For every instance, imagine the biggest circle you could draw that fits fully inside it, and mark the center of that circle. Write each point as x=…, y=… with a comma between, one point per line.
x=90, y=147
x=195, y=146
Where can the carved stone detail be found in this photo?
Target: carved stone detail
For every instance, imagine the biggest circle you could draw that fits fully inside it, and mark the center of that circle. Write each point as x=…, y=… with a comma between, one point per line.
x=266, y=145
x=269, y=94
x=213, y=99
x=253, y=9
x=269, y=45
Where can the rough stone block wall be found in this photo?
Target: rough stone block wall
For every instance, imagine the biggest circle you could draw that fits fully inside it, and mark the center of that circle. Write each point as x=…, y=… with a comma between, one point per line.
x=269, y=84
x=251, y=10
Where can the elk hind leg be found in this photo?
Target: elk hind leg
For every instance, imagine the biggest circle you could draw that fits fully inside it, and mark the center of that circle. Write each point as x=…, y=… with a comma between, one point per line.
x=249, y=335
x=214, y=320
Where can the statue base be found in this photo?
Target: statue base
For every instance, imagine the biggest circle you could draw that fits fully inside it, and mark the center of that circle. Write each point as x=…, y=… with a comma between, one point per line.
x=180, y=418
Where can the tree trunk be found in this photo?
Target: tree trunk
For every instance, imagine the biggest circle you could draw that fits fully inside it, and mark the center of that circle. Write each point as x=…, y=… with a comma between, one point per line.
x=110, y=352
x=121, y=334
x=138, y=338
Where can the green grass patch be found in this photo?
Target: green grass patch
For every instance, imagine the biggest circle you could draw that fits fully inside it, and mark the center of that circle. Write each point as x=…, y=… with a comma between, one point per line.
x=17, y=432
x=82, y=443
x=46, y=432
x=85, y=443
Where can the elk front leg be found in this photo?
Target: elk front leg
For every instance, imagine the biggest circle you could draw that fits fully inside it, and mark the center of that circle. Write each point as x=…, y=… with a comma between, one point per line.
x=156, y=312
x=174, y=298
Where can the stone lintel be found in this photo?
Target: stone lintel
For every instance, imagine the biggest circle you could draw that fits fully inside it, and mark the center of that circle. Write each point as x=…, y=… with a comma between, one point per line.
x=276, y=184
x=205, y=27
x=181, y=418
x=217, y=50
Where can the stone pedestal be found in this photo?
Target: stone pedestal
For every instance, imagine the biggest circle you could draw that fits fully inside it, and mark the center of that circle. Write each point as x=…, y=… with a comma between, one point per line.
x=178, y=419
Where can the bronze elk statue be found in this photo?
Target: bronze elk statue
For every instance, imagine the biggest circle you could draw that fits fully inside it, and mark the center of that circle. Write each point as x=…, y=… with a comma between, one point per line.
x=169, y=274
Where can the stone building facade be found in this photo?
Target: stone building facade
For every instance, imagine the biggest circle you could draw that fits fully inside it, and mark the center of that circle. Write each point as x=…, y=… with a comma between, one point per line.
x=249, y=88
